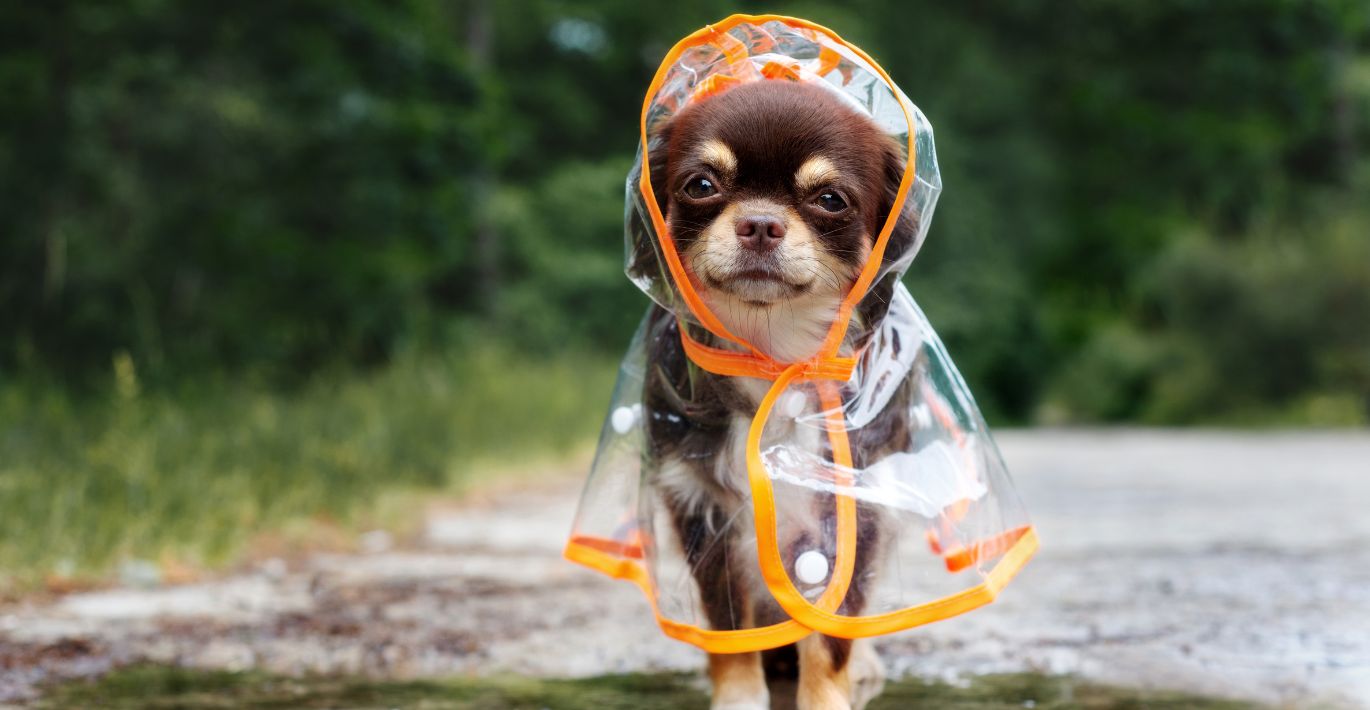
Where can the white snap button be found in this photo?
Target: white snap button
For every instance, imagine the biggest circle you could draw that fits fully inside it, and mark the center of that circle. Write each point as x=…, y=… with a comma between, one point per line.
x=623, y=419
x=811, y=567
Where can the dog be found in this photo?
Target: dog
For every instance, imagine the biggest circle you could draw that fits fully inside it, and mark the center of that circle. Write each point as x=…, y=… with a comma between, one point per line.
x=774, y=192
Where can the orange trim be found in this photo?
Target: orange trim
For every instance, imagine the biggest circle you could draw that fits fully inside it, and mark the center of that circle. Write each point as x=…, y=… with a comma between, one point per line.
x=673, y=263
x=739, y=59
x=616, y=548
x=763, y=504
x=830, y=396
x=787, y=632
x=737, y=641
x=828, y=59
x=776, y=70
x=963, y=557
x=715, y=84
x=735, y=364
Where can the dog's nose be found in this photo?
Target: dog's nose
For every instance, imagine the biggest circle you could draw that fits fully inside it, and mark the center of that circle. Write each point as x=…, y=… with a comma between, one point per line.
x=760, y=233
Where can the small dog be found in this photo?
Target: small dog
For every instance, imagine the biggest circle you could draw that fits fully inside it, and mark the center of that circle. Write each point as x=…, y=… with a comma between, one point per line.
x=774, y=192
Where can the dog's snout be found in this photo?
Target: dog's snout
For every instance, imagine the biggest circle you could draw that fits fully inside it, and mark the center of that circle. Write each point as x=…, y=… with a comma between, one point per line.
x=760, y=233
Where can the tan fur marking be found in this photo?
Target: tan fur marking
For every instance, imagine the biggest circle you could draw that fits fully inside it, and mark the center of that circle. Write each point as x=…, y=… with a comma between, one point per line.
x=718, y=156
x=815, y=173
x=820, y=687
x=739, y=681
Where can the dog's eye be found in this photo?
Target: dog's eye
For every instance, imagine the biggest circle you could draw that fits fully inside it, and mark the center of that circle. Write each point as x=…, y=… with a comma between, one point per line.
x=830, y=201
x=700, y=188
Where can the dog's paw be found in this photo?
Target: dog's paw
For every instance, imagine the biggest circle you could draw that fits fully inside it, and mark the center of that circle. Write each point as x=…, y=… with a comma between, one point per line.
x=867, y=673
x=830, y=698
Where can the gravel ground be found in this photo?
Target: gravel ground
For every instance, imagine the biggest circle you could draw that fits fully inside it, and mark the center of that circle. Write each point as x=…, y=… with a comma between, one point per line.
x=1234, y=564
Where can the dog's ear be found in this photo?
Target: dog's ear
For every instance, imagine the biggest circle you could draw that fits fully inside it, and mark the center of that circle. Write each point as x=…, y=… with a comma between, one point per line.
x=646, y=262
x=876, y=303
x=660, y=145
x=906, y=229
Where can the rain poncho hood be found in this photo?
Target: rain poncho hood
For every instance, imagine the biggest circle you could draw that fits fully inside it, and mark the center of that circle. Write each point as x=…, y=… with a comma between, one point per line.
x=930, y=505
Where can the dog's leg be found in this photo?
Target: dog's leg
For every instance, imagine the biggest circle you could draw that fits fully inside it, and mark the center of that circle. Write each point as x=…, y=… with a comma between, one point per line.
x=738, y=678
x=739, y=682
x=836, y=672
x=823, y=679
x=867, y=673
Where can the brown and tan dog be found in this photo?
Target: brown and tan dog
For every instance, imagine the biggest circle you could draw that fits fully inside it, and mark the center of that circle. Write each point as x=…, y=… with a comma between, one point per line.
x=774, y=192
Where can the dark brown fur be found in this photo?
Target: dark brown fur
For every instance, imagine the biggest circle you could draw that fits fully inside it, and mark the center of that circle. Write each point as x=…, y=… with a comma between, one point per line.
x=772, y=127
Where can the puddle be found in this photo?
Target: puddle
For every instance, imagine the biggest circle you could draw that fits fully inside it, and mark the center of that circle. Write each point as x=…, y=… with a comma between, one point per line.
x=161, y=687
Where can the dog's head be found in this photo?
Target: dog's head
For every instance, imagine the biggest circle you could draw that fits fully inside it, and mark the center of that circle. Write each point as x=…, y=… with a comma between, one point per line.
x=774, y=192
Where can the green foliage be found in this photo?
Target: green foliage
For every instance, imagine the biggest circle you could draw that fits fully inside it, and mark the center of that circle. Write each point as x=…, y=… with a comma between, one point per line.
x=1080, y=142
x=1282, y=313
x=192, y=474
x=274, y=189
x=564, y=286
x=247, y=184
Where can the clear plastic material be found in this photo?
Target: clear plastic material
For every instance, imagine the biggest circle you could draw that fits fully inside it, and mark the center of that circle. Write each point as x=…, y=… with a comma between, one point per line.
x=754, y=52
x=936, y=507
x=865, y=494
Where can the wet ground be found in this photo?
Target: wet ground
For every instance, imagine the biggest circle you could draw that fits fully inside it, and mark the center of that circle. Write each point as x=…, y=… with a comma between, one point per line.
x=142, y=688
x=1229, y=565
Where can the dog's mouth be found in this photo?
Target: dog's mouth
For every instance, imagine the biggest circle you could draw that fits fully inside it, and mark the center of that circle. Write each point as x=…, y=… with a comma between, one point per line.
x=763, y=274
x=757, y=284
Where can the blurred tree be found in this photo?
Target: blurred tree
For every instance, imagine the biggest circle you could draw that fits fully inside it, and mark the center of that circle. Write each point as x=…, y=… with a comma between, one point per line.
x=248, y=184
x=274, y=187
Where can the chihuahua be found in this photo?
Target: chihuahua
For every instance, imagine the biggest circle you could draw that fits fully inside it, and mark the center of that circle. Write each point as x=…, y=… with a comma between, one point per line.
x=774, y=192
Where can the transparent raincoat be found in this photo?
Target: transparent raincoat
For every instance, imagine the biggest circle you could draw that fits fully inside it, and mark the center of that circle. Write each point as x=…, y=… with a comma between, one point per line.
x=927, y=506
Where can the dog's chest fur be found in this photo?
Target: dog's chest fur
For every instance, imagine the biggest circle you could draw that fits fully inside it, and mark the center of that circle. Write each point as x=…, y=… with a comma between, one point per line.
x=698, y=429
x=788, y=332
x=703, y=420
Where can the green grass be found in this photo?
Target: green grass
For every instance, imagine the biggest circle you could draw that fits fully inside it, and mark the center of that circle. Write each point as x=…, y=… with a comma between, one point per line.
x=158, y=687
x=86, y=482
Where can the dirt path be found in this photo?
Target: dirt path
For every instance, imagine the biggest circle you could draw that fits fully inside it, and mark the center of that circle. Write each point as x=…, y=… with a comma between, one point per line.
x=1232, y=564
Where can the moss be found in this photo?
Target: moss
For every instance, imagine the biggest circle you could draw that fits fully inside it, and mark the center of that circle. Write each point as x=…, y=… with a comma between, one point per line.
x=1042, y=692
x=164, y=688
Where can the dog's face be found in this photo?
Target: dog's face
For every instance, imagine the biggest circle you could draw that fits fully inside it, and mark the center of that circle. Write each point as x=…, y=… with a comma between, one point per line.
x=774, y=192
